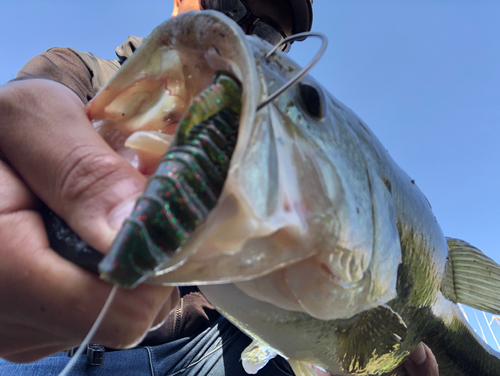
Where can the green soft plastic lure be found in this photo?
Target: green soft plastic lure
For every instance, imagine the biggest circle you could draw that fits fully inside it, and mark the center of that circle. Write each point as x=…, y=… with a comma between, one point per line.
x=184, y=188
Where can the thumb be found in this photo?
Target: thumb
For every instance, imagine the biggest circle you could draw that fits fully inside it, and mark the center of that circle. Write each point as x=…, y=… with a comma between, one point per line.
x=422, y=362
x=48, y=139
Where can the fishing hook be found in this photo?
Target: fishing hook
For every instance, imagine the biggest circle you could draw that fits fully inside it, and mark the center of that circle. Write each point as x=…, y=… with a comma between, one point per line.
x=303, y=72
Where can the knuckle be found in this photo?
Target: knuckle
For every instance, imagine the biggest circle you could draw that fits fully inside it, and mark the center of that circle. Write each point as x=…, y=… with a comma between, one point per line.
x=87, y=173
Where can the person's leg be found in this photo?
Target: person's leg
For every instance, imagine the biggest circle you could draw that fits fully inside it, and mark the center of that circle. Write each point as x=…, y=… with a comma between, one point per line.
x=215, y=352
x=127, y=362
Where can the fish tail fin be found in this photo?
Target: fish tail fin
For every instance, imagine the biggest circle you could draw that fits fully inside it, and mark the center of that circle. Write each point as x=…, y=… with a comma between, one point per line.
x=471, y=277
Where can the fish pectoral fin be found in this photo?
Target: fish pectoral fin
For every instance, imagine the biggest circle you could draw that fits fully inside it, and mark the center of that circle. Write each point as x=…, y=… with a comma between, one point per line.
x=374, y=335
x=468, y=269
x=256, y=356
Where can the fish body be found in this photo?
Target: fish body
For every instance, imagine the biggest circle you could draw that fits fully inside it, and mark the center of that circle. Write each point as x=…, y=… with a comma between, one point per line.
x=319, y=247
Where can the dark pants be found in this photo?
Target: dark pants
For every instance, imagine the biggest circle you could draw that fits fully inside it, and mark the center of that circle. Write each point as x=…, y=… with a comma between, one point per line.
x=216, y=351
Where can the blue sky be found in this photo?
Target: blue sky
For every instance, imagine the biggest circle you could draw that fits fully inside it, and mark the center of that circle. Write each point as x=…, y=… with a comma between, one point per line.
x=424, y=75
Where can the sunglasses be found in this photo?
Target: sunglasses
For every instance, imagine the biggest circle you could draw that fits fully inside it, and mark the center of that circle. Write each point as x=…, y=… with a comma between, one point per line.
x=239, y=11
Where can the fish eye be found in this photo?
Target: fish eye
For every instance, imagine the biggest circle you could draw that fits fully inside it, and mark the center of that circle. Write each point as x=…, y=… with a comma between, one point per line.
x=313, y=100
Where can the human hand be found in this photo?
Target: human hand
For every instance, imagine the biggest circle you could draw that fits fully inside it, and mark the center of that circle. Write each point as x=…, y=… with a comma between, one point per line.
x=422, y=362
x=49, y=150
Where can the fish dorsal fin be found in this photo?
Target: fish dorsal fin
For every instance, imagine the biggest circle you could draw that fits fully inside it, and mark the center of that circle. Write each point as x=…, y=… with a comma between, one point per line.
x=471, y=277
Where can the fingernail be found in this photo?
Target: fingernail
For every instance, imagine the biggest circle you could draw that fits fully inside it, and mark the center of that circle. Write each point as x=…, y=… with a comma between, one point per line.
x=418, y=356
x=120, y=212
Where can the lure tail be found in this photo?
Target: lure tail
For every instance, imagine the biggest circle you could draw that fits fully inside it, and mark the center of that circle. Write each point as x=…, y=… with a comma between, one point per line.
x=184, y=188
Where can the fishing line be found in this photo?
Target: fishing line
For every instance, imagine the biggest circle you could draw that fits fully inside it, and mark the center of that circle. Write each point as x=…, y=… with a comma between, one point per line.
x=91, y=333
x=303, y=72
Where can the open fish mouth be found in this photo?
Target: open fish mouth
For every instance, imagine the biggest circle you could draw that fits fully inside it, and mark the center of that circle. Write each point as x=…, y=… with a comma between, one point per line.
x=153, y=90
x=141, y=106
x=299, y=222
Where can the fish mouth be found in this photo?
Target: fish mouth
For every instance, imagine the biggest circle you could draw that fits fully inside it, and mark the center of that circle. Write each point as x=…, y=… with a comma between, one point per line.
x=138, y=111
x=154, y=87
x=238, y=240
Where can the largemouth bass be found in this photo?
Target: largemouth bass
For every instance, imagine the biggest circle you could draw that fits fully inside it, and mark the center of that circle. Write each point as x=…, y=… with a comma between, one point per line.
x=319, y=247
